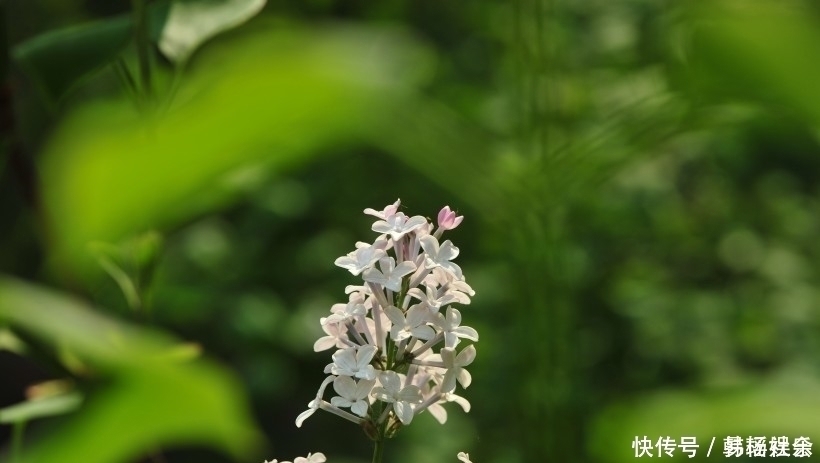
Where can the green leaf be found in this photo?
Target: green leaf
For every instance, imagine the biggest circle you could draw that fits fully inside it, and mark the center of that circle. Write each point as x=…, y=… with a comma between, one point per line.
x=764, y=51
x=109, y=173
x=56, y=60
x=163, y=399
x=776, y=407
x=190, y=23
x=40, y=408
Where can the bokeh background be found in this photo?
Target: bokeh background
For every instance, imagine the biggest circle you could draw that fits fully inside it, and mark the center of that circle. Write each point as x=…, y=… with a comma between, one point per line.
x=639, y=181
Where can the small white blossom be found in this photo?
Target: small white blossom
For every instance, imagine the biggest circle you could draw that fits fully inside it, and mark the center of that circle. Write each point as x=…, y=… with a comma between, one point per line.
x=359, y=260
x=336, y=336
x=352, y=394
x=440, y=278
x=398, y=225
x=412, y=325
x=433, y=300
x=440, y=255
x=353, y=361
x=402, y=399
x=313, y=405
x=317, y=457
x=343, y=313
x=386, y=212
x=449, y=325
x=455, y=367
x=464, y=457
x=390, y=275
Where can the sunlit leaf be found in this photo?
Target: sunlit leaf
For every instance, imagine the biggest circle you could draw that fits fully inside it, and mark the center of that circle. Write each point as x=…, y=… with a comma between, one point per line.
x=40, y=408
x=150, y=386
x=108, y=173
x=765, y=51
x=10, y=342
x=192, y=22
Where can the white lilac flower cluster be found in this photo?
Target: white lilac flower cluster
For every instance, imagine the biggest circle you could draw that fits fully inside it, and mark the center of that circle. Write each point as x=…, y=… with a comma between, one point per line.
x=397, y=336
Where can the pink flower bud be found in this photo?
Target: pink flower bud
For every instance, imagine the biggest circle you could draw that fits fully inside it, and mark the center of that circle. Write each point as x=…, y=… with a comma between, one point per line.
x=447, y=219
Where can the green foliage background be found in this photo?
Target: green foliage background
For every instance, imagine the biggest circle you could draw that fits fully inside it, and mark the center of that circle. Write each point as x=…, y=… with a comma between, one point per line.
x=639, y=181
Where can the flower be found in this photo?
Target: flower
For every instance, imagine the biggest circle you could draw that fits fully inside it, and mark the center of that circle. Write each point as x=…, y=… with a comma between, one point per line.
x=343, y=313
x=464, y=457
x=336, y=336
x=402, y=399
x=431, y=299
x=438, y=411
x=353, y=361
x=317, y=457
x=386, y=212
x=440, y=256
x=313, y=405
x=449, y=325
x=360, y=259
x=398, y=225
x=413, y=325
x=352, y=394
x=395, y=321
x=390, y=275
x=455, y=367
x=447, y=219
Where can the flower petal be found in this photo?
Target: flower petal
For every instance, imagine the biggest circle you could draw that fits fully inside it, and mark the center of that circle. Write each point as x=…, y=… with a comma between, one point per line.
x=404, y=411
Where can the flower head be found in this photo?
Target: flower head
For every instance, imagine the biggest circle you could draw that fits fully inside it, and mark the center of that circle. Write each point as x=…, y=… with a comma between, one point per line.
x=387, y=334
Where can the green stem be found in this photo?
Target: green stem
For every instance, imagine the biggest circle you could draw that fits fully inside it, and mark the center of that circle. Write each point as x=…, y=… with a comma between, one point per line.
x=140, y=14
x=17, y=441
x=126, y=78
x=378, y=449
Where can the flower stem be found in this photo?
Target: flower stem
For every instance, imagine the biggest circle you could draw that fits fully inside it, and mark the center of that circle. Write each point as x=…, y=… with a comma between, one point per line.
x=17, y=441
x=378, y=449
x=139, y=12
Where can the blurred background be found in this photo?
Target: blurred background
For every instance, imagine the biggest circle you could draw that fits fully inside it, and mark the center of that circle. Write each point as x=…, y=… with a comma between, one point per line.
x=639, y=180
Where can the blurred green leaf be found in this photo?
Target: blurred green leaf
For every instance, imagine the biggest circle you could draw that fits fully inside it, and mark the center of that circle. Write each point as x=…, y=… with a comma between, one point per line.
x=56, y=60
x=191, y=23
x=163, y=400
x=108, y=173
x=777, y=407
x=40, y=408
x=766, y=51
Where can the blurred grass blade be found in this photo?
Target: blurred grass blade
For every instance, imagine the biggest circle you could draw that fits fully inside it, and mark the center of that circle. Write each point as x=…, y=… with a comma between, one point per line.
x=40, y=408
x=162, y=400
x=108, y=173
x=58, y=59
x=191, y=23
